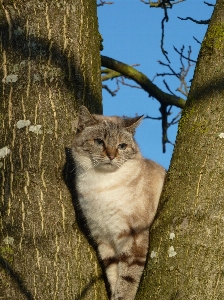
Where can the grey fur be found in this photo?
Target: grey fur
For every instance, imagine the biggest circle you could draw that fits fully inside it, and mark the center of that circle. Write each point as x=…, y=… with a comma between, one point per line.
x=118, y=192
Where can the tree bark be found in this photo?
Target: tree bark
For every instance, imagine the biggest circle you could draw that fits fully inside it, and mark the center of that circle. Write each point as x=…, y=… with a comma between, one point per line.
x=186, y=250
x=50, y=64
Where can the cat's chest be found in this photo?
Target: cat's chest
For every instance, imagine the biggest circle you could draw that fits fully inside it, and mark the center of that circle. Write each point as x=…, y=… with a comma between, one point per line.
x=106, y=200
x=103, y=190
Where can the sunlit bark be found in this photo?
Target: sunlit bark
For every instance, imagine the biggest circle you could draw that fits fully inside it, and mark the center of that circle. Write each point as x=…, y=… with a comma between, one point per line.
x=50, y=64
x=186, y=252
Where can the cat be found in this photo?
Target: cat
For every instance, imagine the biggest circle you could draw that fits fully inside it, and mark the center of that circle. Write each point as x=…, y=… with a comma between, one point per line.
x=118, y=192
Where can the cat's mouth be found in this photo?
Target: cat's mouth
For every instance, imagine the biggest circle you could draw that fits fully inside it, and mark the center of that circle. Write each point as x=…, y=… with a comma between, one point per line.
x=109, y=166
x=109, y=162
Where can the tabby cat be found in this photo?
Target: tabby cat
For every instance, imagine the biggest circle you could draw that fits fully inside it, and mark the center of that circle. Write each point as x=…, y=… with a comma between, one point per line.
x=118, y=192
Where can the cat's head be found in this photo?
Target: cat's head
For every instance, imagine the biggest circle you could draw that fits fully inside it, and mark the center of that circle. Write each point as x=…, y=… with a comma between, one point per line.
x=106, y=142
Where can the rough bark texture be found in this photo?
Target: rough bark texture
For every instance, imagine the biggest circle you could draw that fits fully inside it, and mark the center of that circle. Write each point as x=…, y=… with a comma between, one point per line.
x=50, y=64
x=186, y=252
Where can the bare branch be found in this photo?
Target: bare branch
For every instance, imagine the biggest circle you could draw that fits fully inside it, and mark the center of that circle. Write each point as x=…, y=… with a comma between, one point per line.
x=204, y=22
x=165, y=113
x=166, y=18
x=104, y=2
x=159, y=3
x=171, y=69
x=164, y=74
x=168, y=88
x=175, y=120
x=143, y=81
x=196, y=40
x=162, y=3
x=181, y=76
x=118, y=69
x=184, y=89
x=179, y=1
x=153, y=118
x=209, y=4
x=110, y=74
x=163, y=110
x=189, y=59
x=127, y=84
x=185, y=93
x=113, y=93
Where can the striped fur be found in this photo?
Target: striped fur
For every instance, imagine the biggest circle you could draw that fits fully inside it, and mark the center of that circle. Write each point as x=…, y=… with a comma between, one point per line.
x=118, y=193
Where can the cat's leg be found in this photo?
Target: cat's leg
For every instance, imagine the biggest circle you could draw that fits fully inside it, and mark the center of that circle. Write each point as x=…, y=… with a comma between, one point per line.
x=131, y=262
x=107, y=255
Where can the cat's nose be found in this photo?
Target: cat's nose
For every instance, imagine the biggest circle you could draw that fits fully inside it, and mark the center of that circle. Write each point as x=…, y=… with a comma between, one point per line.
x=111, y=153
x=111, y=157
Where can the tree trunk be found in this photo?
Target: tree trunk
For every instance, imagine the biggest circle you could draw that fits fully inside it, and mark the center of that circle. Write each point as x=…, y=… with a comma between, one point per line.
x=50, y=64
x=186, y=252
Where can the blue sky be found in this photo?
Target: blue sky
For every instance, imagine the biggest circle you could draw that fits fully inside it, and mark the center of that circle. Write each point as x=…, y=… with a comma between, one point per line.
x=132, y=32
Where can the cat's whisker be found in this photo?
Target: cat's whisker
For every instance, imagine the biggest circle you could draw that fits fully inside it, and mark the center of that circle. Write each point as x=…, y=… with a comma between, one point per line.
x=72, y=170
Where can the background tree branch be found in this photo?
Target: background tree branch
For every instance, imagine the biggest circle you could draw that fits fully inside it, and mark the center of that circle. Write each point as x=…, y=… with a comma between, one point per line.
x=143, y=81
x=204, y=22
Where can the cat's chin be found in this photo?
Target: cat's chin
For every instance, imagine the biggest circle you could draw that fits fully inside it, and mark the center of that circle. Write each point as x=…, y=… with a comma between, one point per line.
x=107, y=167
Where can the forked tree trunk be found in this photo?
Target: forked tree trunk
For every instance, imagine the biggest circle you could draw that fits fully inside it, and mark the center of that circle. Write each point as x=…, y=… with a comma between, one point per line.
x=50, y=64
x=186, y=258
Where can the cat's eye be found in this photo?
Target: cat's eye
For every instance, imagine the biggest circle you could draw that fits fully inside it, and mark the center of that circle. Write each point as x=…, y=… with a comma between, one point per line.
x=99, y=142
x=122, y=146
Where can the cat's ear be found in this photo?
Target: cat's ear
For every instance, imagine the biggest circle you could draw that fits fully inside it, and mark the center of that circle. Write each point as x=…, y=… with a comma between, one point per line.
x=85, y=119
x=132, y=123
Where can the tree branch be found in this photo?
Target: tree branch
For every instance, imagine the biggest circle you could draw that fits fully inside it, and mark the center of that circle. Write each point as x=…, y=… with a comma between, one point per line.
x=109, y=74
x=113, y=93
x=162, y=3
x=196, y=40
x=209, y=4
x=143, y=81
x=204, y=22
x=104, y=2
x=181, y=54
x=164, y=114
x=143, y=1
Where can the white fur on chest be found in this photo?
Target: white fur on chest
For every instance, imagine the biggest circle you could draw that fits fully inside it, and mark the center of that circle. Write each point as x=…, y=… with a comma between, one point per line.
x=107, y=198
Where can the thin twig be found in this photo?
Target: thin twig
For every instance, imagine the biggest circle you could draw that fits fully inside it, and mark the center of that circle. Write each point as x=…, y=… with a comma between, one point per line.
x=163, y=110
x=165, y=19
x=145, y=2
x=189, y=59
x=209, y=4
x=161, y=3
x=171, y=69
x=204, y=22
x=168, y=88
x=141, y=79
x=153, y=118
x=182, y=75
x=179, y=1
x=127, y=84
x=175, y=120
x=196, y=40
x=104, y=2
x=112, y=93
